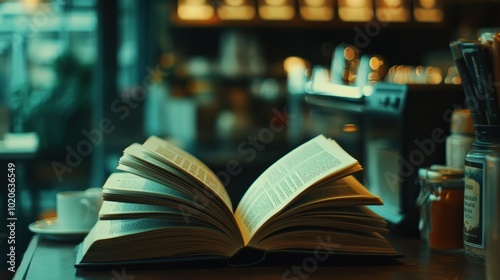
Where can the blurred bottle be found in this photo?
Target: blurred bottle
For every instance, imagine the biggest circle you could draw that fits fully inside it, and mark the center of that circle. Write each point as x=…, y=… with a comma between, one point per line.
x=459, y=142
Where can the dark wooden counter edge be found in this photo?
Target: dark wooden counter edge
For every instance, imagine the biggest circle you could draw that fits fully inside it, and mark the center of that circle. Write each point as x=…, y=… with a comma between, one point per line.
x=418, y=262
x=22, y=270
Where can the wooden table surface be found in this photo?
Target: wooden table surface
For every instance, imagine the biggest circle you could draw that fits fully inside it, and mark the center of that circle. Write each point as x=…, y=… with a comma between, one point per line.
x=45, y=259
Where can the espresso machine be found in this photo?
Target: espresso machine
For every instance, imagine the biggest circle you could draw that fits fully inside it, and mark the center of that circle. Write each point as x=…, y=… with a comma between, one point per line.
x=405, y=128
x=392, y=128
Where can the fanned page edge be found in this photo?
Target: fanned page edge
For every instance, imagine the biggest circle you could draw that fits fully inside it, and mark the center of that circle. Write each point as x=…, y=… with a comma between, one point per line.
x=153, y=144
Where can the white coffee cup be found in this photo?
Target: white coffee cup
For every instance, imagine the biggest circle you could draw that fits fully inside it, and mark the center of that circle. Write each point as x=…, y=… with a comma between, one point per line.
x=78, y=210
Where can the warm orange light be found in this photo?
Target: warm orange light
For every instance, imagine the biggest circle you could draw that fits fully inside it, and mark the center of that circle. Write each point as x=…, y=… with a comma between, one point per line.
x=275, y=2
x=393, y=3
x=392, y=10
x=350, y=128
x=427, y=4
x=434, y=75
x=292, y=63
x=355, y=10
x=315, y=3
x=349, y=53
x=195, y=10
x=428, y=11
x=236, y=10
x=30, y=4
x=453, y=77
x=405, y=74
x=276, y=9
x=235, y=3
x=356, y=3
x=375, y=63
x=317, y=10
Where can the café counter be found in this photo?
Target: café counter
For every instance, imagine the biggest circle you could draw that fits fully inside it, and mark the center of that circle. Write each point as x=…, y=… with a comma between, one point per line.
x=48, y=259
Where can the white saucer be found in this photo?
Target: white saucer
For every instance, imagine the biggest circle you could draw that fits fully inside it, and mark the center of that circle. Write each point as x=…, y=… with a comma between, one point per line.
x=50, y=228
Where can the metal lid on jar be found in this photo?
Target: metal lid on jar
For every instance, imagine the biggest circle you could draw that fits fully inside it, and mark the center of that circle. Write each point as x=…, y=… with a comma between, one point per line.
x=448, y=172
x=436, y=177
x=445, y=176
x=440, y=172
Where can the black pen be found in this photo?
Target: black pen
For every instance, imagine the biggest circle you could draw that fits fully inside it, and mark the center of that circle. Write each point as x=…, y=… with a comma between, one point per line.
x=488, y=79
x=495, y=46
x=470, y=96
x=476, y=57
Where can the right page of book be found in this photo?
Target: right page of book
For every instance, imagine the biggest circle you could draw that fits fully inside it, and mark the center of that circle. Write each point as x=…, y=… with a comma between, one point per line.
x=301, y=168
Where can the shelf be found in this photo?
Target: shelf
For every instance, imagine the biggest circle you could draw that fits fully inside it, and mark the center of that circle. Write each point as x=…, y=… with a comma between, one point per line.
x=298, y=22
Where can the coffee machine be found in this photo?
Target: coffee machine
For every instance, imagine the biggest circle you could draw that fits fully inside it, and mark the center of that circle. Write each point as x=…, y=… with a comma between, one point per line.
x=405, y=128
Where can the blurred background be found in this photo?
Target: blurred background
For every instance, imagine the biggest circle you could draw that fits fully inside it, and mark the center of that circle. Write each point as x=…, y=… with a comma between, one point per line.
x=225, y=79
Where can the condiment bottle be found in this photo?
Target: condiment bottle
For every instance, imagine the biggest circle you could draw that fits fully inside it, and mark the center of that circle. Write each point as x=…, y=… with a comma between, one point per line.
x=487, y=141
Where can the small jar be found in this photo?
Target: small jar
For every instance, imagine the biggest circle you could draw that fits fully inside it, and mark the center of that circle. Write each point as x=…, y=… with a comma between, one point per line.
x=441, y=205
x=487, y=141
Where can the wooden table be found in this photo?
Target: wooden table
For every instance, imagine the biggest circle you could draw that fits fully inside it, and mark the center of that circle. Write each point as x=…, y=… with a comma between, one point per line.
x=54, y=260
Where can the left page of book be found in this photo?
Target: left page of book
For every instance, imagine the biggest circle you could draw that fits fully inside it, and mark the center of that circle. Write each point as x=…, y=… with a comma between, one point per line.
x=142, y=219
x=316, y=160
x=152, y=238
x=170, y=155
x=138, y=197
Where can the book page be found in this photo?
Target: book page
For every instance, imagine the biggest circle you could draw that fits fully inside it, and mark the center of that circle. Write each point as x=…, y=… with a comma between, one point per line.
x=137, y=157
x=136, y=185
x=174, y=156
x=347, y=190
x=306, y=165
x=108, y=229
x=149, y=238
x=127, y=187
x=113, y=228
x=112, y=210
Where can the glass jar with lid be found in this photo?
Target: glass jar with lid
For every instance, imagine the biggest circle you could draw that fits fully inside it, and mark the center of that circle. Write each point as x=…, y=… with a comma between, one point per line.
x=441, y=208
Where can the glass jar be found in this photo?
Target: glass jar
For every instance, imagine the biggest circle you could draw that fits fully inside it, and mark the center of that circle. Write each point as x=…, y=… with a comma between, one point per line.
x=441, y=208
x=487, y=141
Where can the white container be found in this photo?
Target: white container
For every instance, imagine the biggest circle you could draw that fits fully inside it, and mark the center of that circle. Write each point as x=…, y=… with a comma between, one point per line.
x=459, y=142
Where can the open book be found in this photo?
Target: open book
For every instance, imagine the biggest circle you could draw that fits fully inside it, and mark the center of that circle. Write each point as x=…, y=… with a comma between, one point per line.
x=166, y=204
